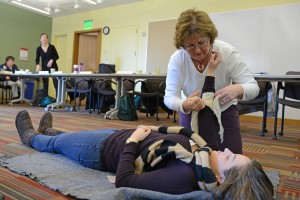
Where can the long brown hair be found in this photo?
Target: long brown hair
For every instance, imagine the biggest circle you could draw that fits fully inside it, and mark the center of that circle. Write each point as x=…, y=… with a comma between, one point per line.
x=191, y=23
x=245, y=183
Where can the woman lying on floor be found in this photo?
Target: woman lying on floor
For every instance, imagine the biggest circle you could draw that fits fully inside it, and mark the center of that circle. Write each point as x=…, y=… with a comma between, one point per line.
x=156, y=158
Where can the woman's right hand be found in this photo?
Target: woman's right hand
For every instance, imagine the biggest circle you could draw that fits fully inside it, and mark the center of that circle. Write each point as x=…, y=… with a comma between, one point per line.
x=38, y=68
x=213, y=63
x=193, y=102
x=140, y=133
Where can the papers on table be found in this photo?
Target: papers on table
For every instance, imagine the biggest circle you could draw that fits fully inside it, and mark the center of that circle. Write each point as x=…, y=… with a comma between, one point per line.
x=43, y=72
x=85, y=72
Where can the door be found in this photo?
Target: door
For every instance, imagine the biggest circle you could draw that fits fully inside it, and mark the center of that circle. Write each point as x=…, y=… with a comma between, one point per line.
x=124, y=48
x=87, y=45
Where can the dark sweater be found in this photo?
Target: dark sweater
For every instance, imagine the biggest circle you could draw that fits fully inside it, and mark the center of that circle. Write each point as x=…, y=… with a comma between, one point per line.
x=46, y=56
x=173, y=177
x=12, y=69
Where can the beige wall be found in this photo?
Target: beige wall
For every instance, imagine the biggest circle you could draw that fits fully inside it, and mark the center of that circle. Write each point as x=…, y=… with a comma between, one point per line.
x=139, y=15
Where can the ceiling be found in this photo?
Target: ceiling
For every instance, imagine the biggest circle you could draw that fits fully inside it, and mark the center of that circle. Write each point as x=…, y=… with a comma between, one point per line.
x=66, y=7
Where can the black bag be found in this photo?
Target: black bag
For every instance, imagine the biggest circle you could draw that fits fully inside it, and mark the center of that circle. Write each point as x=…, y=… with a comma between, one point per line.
x=127, y=110
x=35, y=101
x=107, y=68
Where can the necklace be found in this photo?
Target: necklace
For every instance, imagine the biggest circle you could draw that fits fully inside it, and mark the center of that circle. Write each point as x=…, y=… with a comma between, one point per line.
x=200, y=68
x=200, y=65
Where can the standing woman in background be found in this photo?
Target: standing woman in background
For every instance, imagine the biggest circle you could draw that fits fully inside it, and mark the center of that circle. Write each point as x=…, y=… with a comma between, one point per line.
x=47, y=52
x=195, y=36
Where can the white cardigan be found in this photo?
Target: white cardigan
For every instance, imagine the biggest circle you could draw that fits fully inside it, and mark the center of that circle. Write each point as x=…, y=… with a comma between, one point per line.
x=183, y=76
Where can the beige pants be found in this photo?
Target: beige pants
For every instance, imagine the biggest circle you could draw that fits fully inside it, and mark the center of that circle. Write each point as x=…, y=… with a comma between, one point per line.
x=14, y=87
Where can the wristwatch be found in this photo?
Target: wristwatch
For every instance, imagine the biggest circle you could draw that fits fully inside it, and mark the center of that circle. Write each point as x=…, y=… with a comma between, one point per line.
x=129, y=140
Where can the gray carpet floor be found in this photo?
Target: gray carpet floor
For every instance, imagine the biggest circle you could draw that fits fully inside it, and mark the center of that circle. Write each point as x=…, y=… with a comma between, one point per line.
x=69, y=178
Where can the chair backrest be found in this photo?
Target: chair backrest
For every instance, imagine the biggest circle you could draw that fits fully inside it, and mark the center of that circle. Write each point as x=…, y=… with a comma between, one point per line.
x=107, y=68
x=78, y=83
x=256, y=104
x=292, y=90
x=151, y=85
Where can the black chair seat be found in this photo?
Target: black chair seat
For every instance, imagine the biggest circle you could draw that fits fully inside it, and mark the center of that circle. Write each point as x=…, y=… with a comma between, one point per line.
x=253, y=101
x=290, y=103
x=257, y=104
x=107, y=92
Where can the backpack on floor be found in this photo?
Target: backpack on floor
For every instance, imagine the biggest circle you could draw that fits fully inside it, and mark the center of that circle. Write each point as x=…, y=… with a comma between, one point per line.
x=46, y=101
x=126, y=109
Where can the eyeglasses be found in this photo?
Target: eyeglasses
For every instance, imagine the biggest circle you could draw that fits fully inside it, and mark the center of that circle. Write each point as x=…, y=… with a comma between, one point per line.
x=199, y=45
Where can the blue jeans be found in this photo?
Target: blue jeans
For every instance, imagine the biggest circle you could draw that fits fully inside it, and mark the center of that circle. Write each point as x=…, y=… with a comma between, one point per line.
x=83, y=146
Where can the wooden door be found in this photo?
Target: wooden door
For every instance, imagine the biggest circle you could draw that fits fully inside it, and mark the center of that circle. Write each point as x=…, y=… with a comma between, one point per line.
x=87, y=47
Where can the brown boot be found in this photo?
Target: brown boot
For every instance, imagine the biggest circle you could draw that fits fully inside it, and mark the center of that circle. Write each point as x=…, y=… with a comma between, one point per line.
x=52, y=132
x=45, y=122
x=25, y=127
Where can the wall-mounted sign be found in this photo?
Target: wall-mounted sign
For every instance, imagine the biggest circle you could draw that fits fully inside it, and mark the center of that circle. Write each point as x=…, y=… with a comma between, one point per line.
x=24, y=54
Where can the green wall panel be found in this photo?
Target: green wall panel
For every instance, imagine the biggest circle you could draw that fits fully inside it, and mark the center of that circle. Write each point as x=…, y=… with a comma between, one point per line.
x=21, y=29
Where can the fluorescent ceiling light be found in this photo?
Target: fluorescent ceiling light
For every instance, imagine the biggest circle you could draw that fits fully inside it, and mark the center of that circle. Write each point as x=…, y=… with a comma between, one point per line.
x=48, y=9
x=30, y=7
x=76, y=5
x=100, y=1
x=90, y=2
x=57, y=10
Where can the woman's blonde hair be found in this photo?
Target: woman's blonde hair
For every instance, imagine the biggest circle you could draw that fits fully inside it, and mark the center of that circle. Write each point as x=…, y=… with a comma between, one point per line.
x=193, y=23
x=248, y=182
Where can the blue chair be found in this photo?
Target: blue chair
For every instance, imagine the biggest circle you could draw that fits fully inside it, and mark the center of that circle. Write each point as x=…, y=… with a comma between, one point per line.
x=79, y=88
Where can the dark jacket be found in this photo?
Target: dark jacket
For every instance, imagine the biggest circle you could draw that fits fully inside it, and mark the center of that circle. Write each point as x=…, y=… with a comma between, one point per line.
x=46, y=56
x=13, y=69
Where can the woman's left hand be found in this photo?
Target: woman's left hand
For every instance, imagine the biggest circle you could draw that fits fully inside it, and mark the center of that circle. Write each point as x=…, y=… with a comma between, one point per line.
x=140, y=133
x=230, y=92
x=49, y=64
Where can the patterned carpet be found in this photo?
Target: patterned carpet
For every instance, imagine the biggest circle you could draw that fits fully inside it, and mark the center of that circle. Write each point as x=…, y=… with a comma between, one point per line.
x=282, y=154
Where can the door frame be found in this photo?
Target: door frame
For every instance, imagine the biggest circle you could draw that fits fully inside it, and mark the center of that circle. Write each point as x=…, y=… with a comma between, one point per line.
x=76, y=44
